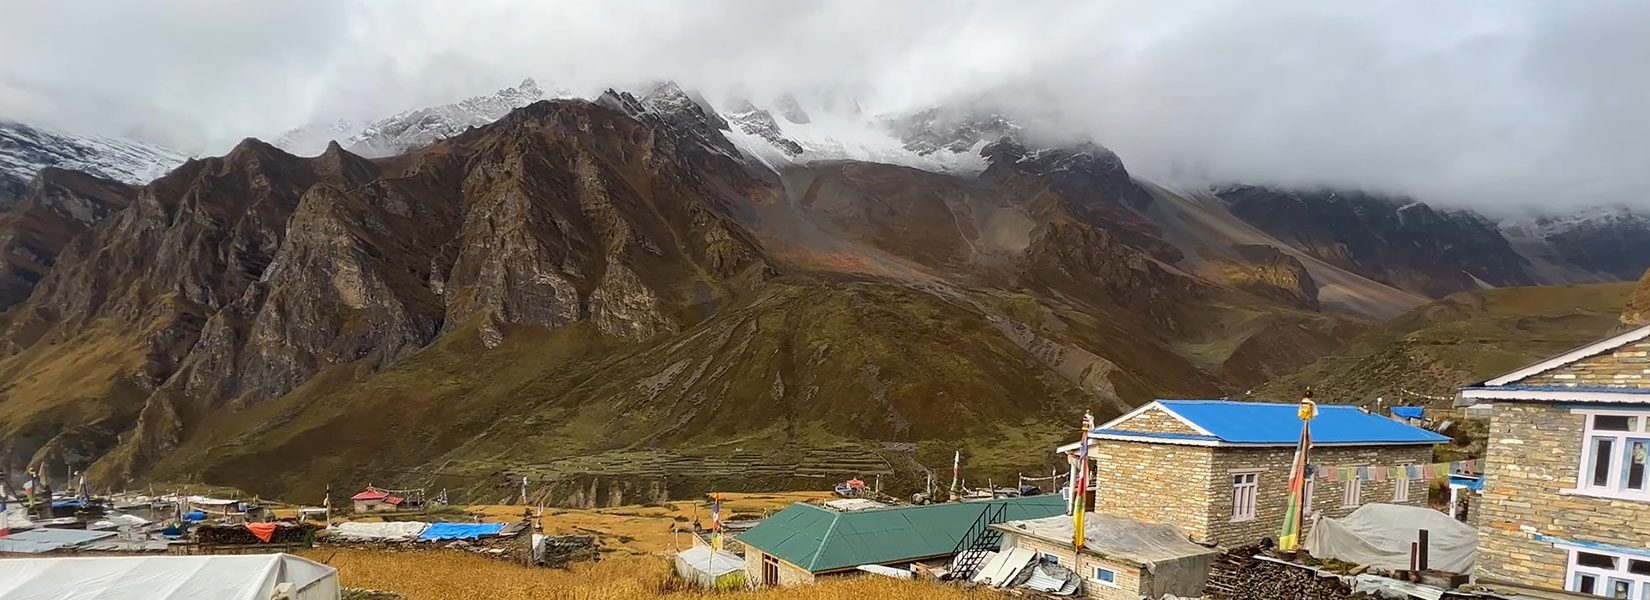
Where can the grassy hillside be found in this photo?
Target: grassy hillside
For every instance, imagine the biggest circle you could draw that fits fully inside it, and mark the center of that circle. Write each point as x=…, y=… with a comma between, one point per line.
x=1466, y=337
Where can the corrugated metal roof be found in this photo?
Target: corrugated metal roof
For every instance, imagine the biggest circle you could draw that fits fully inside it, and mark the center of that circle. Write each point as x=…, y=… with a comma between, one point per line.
x=35, y=541
x=822, y=540
x=1565, y=388
x=1277, y=424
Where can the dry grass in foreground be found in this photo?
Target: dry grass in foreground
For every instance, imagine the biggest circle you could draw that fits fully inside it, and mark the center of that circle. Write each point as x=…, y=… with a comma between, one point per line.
x=454, y=575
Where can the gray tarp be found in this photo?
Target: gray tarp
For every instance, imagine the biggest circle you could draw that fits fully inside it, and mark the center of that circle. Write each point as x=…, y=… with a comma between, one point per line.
x=1178, y=565
x=1379, y=535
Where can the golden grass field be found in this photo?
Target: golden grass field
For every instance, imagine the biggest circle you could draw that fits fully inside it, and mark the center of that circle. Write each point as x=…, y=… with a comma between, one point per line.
x=637, y=543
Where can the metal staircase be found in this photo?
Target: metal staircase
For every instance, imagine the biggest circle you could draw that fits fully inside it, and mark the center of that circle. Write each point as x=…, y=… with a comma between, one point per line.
x=978, y=540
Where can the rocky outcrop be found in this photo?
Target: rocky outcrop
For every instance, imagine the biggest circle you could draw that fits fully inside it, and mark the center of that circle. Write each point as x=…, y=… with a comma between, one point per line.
x=58, y=206
x=1637, y=311
x=1403, y=243
x=1269, y=272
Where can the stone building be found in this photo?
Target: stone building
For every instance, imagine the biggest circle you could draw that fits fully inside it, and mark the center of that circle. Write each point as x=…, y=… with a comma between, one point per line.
x=376, y=500
x=1219, y=469
x=1122, y=559
x=1566, y=499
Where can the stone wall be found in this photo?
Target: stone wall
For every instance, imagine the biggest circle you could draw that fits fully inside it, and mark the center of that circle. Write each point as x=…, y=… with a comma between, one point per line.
x=1534, y=453
x=1154, y=483
x=1628, y=366
x=1130, y=582
x=1155, y=421
x=1274, y=465
x=789, y=574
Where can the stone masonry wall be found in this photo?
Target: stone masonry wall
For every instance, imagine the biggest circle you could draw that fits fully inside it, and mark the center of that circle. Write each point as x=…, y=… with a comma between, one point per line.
x=1155, y=421
x=1129, y=578
x=1534, y=453
x=1628, y=366
x=1274, y=465
x=789, y=574
x=1154, y=483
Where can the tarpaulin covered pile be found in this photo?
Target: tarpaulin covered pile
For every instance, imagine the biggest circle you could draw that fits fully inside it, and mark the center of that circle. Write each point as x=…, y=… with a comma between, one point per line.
x=711, y=569
x=242, y=577
x=45, y=539
x=393, y=531
x=1379, y=535
x=460, y=531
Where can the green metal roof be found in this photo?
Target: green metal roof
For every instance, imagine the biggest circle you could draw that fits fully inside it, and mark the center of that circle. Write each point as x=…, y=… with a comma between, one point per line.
x=819, y=539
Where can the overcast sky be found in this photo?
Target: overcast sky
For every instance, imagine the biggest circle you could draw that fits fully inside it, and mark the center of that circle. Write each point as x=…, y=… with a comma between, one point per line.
x=1488, y=104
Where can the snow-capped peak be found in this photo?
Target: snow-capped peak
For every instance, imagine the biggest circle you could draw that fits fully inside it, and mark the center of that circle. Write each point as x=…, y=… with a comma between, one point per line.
x=831, y=128
x=25, y=150
x=415, y=128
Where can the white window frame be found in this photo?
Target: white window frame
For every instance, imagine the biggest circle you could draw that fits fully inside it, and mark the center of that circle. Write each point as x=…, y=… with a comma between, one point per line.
x=1112, y=583
x=1400, y=487
x=1605, y=578
x=1620, y=455
x=1353, y=496
x=1306, y=494
x=1245, y=495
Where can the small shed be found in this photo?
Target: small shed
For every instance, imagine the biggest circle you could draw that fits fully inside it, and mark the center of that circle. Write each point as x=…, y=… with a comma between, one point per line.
x=711, y=569
x=803, y=541
x=238, y=577
x=1122, y=559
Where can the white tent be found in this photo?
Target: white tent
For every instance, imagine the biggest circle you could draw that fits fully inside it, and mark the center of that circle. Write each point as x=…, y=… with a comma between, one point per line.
x=1379, y=535
x=242, y=577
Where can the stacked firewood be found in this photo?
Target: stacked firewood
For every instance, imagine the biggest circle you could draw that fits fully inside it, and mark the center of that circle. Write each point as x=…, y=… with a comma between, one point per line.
x=1239, y=575
x=285, y=533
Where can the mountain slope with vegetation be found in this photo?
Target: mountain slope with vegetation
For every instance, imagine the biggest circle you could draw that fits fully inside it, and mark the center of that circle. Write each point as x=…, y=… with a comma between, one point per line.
x=1425, y=355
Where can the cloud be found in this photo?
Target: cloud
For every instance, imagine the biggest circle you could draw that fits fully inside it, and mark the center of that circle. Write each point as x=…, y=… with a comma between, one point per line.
x=1488, y=104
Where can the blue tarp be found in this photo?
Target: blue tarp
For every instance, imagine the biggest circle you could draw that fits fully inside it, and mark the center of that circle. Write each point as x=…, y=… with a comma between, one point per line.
x=1407, y=412
x=1264, y=423
x=460, y=531
x=76, y=503
x=1475, y=484
x=194, y=516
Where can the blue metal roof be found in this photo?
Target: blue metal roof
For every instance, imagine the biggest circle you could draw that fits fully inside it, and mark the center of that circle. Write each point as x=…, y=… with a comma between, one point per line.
x=1261, y=423
x=1475, y=484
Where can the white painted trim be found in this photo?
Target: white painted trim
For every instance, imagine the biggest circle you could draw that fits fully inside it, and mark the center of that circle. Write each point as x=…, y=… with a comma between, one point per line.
x=1112, y=424
x=1603, y=577
x=1557, y=396
x=1589, y=350
x=1584, y=486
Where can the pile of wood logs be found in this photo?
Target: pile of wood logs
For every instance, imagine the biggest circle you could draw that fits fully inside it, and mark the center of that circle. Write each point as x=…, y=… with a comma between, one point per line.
x=1239, y=575
x=285, y=533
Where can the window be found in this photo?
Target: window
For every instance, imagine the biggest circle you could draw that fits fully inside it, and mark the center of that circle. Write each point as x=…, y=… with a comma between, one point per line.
x=1245, y=488
x=1609, y=575
x=1354, y=494
x=1306, y=494
x=1105, y=576
x=1048, y=559
x=1616, y=457
x=1400, y=488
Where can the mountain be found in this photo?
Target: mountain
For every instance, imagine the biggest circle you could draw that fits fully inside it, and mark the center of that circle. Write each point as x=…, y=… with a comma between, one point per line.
x=58, y=206
x=1424, y=356
x=25, y=150
x=581, y=286
x=1611, y=243
x=414, y=128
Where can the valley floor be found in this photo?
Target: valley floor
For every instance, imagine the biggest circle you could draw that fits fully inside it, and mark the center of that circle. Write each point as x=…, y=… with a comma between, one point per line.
x=637, y=545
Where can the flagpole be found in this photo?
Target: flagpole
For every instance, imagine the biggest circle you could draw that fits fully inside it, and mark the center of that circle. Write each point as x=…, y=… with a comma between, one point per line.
x=1080, y=484
x=1294, y=519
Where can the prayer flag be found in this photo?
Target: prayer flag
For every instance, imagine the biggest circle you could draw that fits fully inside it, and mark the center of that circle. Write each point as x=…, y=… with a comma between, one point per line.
x=1080, y=484
x=1289, y=538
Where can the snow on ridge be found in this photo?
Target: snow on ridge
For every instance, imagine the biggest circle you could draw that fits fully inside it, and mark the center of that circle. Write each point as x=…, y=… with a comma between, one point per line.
x=415, y=128
x=25, y=150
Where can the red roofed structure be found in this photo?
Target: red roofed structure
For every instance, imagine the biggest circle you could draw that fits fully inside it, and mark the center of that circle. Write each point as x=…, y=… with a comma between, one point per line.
x=376, y=500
